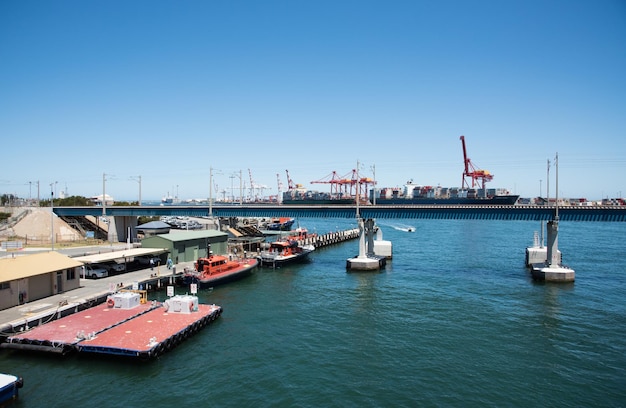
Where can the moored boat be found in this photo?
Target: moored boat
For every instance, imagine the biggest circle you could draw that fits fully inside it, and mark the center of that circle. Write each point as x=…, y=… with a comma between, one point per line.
x=280, y=224
x=300, y=234
x=218, y=269
x=9, y=387
x=285, y=251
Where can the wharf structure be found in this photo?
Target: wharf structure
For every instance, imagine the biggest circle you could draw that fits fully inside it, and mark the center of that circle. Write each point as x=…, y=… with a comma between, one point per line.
x=552, y=270
x=367, y=259
x=538, y=253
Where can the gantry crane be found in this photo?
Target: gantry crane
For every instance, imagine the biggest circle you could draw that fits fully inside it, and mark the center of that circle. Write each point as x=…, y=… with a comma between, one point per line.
x=335, y=183
x=280, y=183
x=479, y=177
x=346, y=186
x=253, y=196
x=290, y=185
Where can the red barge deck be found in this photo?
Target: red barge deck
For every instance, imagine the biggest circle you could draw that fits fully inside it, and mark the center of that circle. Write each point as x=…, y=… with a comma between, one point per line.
x=152, y=333
x=144, y=330
x=61, y=336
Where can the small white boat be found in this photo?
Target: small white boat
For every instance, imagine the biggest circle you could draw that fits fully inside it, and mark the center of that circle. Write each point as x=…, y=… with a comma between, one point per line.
x=9, y=386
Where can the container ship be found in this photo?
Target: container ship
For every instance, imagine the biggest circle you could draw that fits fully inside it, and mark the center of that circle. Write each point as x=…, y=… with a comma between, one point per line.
x=409, y=194
x=344, y=188
x=427, y=195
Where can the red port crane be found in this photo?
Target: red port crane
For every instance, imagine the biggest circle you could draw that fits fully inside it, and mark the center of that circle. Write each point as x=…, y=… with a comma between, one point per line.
x=346, y=186
x=479, y=177
x=334, y=181
x=290, y=185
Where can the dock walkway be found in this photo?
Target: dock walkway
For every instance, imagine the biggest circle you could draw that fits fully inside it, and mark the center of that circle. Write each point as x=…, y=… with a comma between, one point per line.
x=328, y=239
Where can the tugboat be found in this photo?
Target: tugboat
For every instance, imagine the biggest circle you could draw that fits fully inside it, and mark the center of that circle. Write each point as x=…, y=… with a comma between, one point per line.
x=283, y=252
x=218, y=269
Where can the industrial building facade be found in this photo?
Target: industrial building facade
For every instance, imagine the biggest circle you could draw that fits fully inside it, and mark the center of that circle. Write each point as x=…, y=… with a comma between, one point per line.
x=188, y=246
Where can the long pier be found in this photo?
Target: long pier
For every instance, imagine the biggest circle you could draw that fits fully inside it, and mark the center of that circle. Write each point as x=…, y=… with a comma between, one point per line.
x=457, y=212
x=331, y=238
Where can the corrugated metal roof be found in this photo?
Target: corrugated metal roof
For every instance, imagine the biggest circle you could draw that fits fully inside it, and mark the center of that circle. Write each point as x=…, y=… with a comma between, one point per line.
x=154, y=225
x=189, y=235
x=25, y=266
x=235, y=232
x=111, y=256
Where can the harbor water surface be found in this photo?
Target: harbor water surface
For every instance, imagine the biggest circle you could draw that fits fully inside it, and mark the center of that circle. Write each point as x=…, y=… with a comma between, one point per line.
x=453, y=320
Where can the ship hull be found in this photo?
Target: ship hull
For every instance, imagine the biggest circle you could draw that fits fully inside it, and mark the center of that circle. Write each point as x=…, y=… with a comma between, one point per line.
x=495, y=200
x=278, y=261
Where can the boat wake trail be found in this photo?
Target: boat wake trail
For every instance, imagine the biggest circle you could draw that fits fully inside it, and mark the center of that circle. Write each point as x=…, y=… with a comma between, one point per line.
x=405, y=228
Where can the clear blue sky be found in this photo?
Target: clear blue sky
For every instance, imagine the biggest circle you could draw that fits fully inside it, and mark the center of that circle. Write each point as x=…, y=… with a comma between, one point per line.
x=167, y=90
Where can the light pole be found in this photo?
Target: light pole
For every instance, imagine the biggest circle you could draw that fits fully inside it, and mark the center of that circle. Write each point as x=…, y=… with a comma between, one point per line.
x=52, y=188
x=556, y=195
x=138, y=178
x=548, y=183
x=211, y=190
x=358, y=187
x=232, y=189
x=374, y=174
x=240, y=187
x=104, y=200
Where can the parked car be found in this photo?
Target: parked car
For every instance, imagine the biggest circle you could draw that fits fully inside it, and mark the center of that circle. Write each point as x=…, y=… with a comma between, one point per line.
x=145, y=260
x=95, y=272
x=112, y=267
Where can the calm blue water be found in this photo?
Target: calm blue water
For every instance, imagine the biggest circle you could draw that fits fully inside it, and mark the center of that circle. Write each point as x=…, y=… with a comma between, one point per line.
x=454, y=320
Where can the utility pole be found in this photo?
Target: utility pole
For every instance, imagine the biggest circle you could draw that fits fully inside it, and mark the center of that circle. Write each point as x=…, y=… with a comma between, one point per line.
x=374, y=173
x=104, y=200
x=138, y=178
x=358, y=187
x=210, y=192
x=52, y=188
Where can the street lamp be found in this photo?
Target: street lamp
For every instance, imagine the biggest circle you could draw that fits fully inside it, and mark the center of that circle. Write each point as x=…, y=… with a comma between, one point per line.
x=138, y=178
x=374, y=173
x=232, y=189
x=104, y=200
x=548, y=183
x=358, y=187
x=52, y=188
x=211, y=191
x=240, y=187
